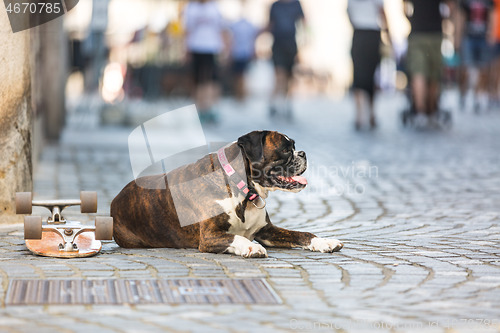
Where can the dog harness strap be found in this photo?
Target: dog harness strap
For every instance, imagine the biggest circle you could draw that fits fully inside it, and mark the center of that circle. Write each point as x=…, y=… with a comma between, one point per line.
x=235, y=177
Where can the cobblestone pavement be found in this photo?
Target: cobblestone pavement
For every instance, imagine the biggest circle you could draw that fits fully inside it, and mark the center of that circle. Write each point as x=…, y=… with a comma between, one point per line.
x=418, y=213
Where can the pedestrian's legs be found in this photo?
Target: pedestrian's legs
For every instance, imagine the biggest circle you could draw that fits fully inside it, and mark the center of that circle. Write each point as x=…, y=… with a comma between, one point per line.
x=482, y=88
x=359, y=101
x=281, y=84
x=239, y=89
x=463, y=82
x=483, y=84
x=419, y=91
x=464, y=73
x=201, y=97
x=371, y=110
x=280, y=91
x=215, y=91
x=206, y=90
x=433, y=90
x=495, y=81
x=206, y=96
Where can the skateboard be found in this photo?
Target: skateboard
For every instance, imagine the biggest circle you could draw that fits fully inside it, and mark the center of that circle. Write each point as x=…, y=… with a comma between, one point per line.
x=58, y=237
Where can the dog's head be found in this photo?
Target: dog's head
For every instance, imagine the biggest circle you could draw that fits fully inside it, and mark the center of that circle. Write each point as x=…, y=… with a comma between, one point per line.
x=273, y=162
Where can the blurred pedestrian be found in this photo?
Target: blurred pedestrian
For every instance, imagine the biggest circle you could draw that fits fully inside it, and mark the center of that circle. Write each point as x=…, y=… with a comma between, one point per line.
x=424, y=57
x=495, y=65
x=283, y=18
x=95, y=47
x=243, y=35
x=473, y=30
x=367, y=18
x=204, y=27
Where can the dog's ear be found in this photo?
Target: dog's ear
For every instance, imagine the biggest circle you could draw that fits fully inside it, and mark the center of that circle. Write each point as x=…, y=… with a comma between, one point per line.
x=252, y=145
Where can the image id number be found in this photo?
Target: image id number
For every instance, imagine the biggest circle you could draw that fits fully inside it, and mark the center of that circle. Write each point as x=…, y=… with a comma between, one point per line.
x=34, y=8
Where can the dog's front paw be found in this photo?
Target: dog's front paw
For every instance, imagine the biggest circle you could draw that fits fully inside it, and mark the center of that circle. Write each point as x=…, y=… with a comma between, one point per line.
x=242, y=246
x=254, y=251
x=325, y=245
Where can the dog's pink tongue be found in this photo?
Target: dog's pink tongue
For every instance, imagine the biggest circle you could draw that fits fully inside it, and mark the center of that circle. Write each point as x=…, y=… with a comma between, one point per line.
x=300, y=179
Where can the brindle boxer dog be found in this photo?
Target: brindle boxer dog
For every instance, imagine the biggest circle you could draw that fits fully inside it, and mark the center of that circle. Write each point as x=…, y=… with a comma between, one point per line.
x=146, y=215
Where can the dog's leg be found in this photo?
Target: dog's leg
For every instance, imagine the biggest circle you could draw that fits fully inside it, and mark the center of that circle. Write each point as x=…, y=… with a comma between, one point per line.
x=274, y=236
x=216, y=240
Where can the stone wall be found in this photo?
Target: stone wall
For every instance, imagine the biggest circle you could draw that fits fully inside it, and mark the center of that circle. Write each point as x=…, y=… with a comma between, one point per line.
x=49, y=56
x=15, y=118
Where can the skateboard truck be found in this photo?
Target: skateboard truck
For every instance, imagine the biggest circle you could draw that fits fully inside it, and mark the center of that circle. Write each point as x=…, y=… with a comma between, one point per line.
x=68, y=235
x=73, y=234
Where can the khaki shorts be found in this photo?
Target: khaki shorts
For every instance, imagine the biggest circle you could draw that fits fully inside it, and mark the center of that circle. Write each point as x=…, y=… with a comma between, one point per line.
x=424, y=55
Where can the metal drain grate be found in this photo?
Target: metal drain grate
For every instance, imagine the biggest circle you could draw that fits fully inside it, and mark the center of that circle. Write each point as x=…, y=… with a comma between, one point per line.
x=170, y=291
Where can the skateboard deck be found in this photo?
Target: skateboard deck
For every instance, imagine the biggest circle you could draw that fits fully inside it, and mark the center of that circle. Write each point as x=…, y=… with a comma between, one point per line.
x=48, y=245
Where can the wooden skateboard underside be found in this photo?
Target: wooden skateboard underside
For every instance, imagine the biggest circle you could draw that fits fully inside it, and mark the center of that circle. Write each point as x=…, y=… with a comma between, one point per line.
x=49, y=245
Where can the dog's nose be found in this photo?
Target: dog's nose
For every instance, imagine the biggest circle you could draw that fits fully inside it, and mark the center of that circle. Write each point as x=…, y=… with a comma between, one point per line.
x=302, y=154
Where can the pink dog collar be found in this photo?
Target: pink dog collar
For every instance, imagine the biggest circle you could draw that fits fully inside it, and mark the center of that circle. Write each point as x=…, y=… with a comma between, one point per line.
x=236, y=178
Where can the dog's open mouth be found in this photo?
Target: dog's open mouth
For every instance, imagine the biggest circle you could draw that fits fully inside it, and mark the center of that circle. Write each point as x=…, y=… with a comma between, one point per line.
x=295, y=181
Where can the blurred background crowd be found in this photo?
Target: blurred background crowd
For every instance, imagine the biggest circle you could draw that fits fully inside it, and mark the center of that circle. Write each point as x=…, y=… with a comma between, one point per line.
x=115, y=64
x=123, y=50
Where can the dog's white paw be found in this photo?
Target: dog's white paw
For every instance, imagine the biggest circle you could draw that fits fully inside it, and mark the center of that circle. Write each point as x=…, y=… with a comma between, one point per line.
x=254, y=251
x=242, y=246
x=325, y=245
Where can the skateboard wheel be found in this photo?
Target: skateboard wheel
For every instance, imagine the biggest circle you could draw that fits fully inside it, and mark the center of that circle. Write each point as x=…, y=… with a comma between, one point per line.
x=23, y=203
x=104, y=228
x=32, y=227
x=88, y=202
